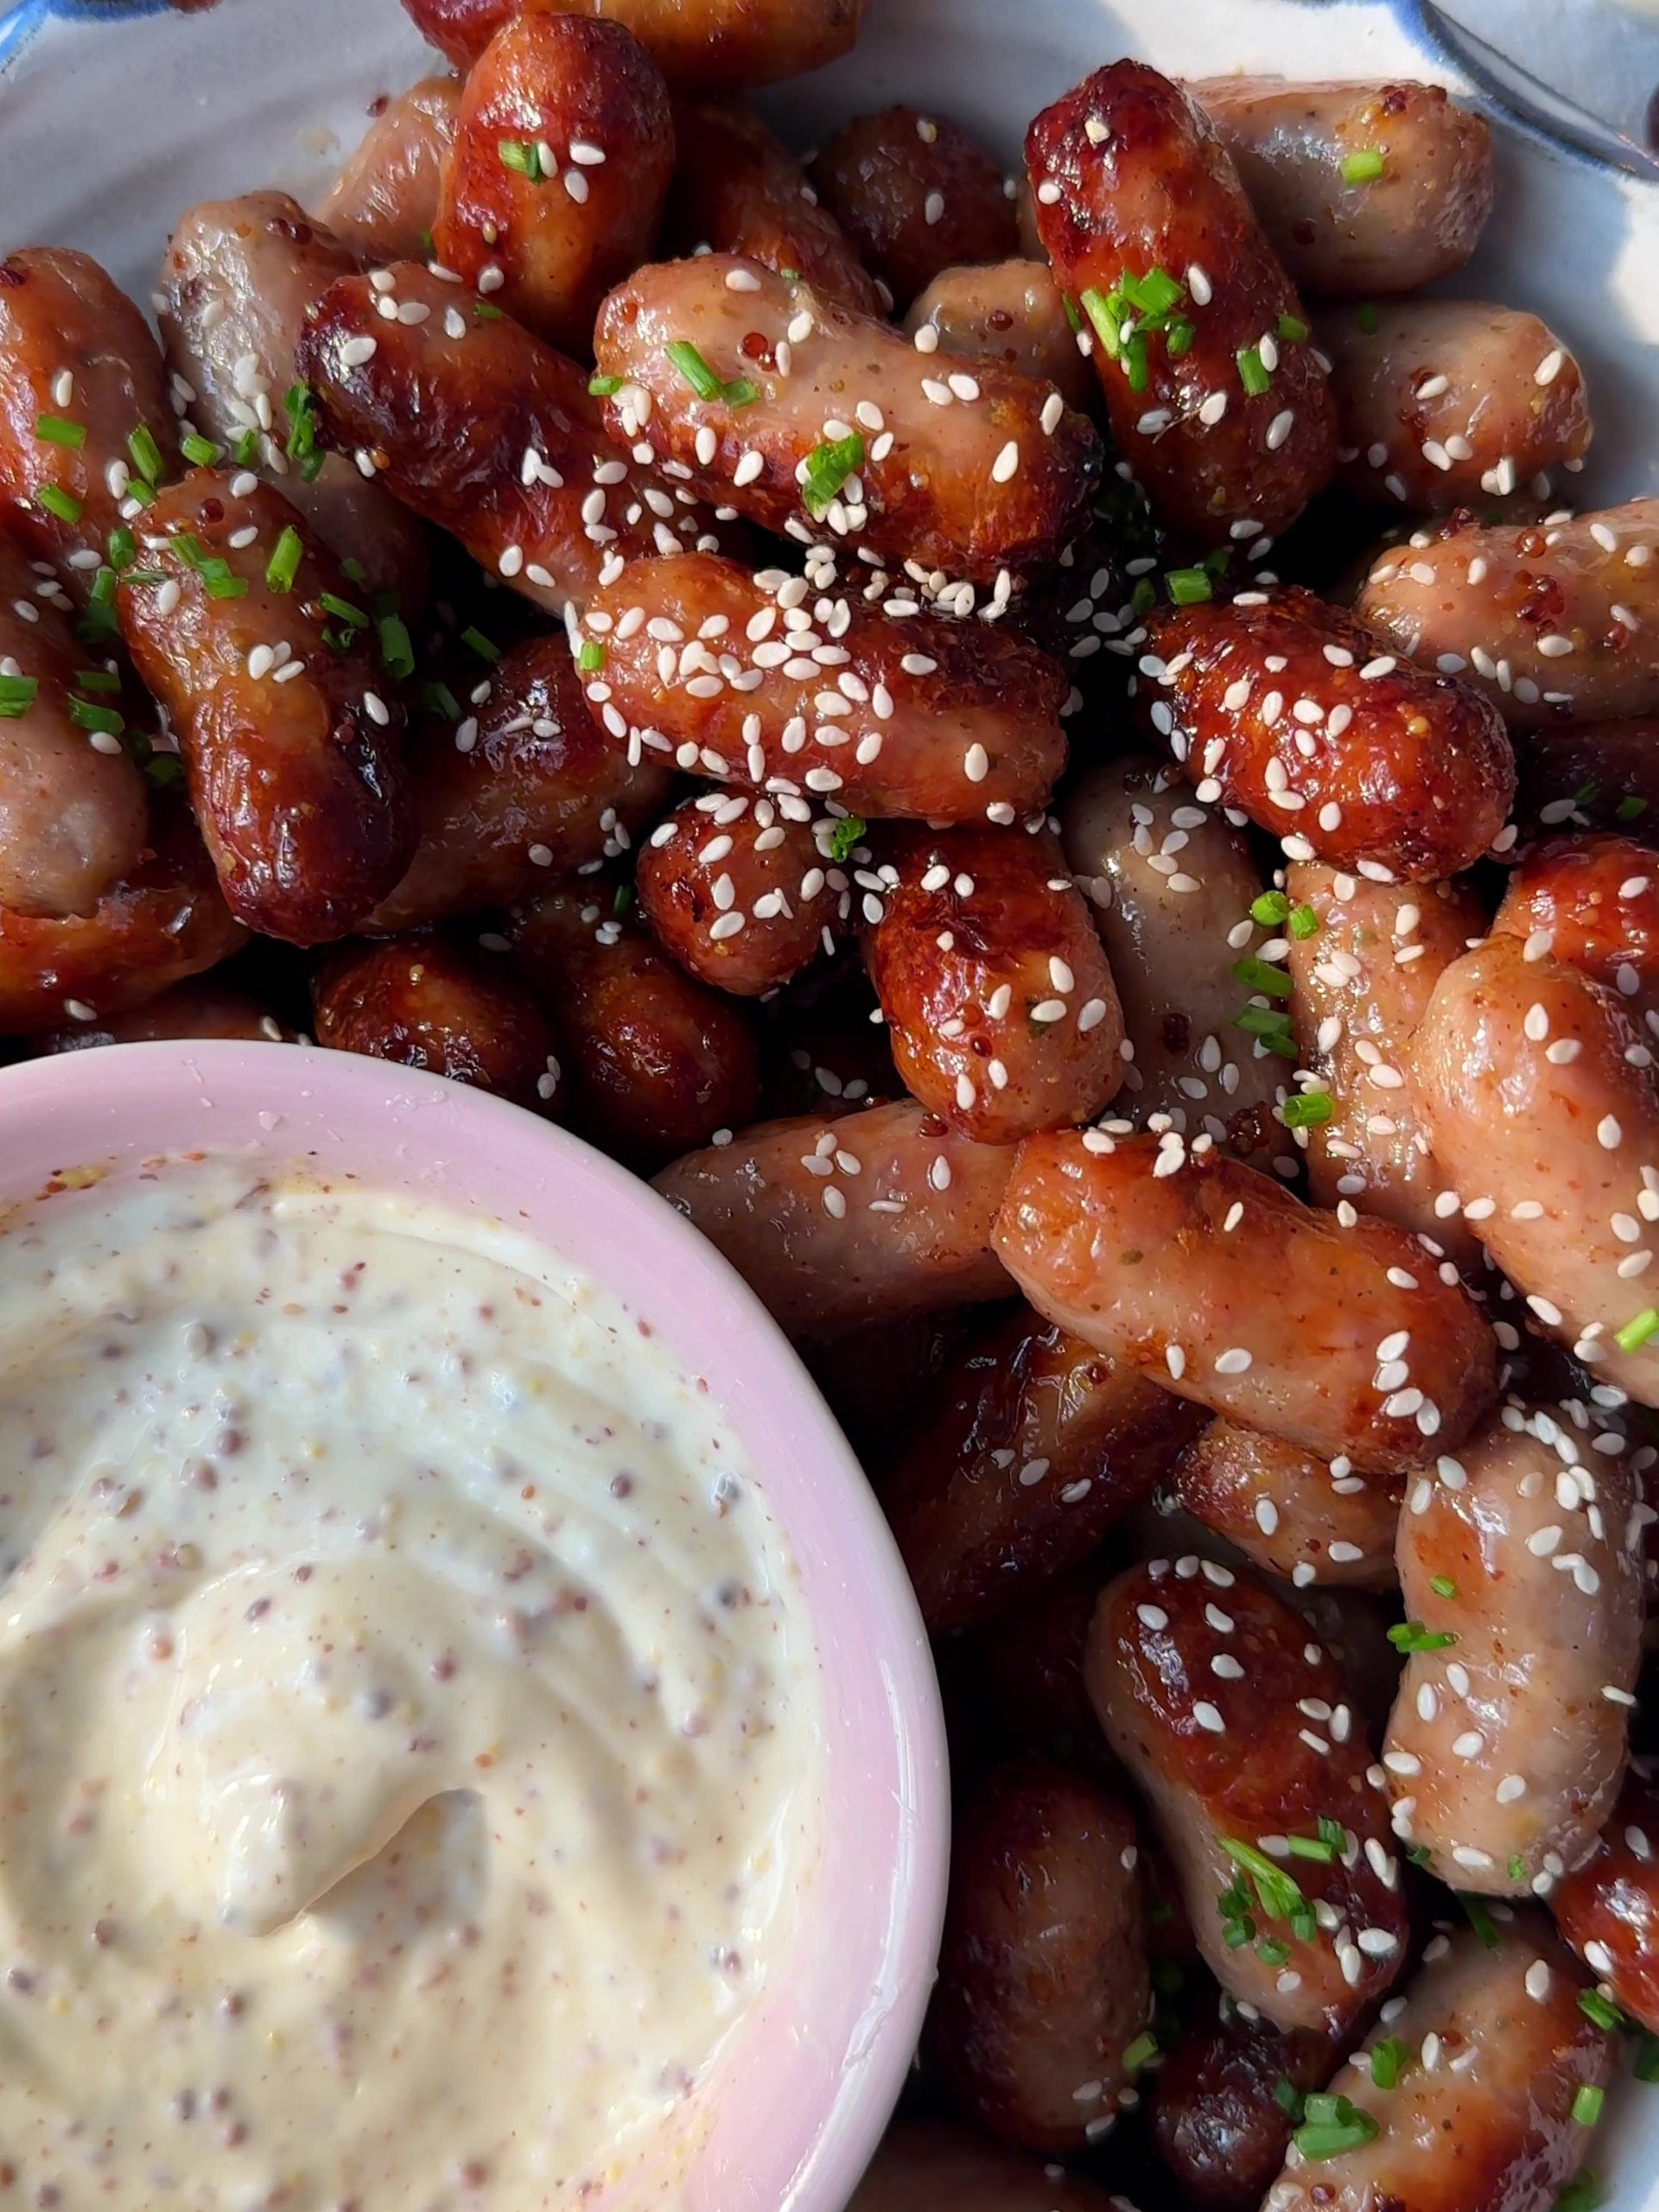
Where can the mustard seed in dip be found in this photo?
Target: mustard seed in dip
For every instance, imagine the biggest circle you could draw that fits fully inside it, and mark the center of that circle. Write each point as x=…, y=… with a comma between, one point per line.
x=407, y=1714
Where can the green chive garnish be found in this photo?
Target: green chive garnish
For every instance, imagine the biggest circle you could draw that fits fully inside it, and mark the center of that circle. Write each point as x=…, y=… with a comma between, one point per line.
x=1582, y=2194
x=1291, y=328
x=123, y=547
x=1251, y=374
x=695, y=370
x=845, y=836
x=1270, y=909
x=58, y=502
x=397, y=650
x=1136, y=2053
x=1480, y=1920
x=17, y=696
x=98, y=679
x=1363, y=168
x=1261, y=976
x=438, y=699
x=202, y=451
x=300, y=405
x=85, y=715
x=1304, y=924
x=1412, y=1636
x=522, y=157
x=591, y=659
x=1187, y=587
x=1279, y=1895
x=343, y=610
x=1386, y=2059
x=1332, y=2126
x=284, y=563
x=603, y=387
x=1645, y=2066
x=1154, y=294
x=245, y=451
x=53, y=430
x=1586, y=2106
x=146, y=454
x=1287, y=2096
x=481, y=645
x=1310, y=1110
x=1606, y=2014
x=1635, y=1334
x=1629, y=810
x=1443, y=1586
x=485, y=311
x=828, y=468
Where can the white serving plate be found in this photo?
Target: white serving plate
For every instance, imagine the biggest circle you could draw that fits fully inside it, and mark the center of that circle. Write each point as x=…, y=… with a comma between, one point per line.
x=117, y=114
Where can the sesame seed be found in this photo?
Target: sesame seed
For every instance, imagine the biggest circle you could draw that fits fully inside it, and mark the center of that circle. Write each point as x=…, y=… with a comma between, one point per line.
x=1006, y=464
x=1279, y=429
x=1209, y=1718
x=1234, y=1361
x=1550, y=367
x=356, y=350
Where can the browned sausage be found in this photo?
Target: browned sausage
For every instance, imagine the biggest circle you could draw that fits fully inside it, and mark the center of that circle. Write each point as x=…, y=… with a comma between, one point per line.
x=657, y=1063
x=238, y=279
x=386, y=200
x=870, y=1217
x=925, y=2167
x=1043, y=1990
x=738, y=189
x=1216, y=399
x=1215, y=1281
x=200, y=1007
x=738, y=678
x=1608, y=1909
x=847, y=431
x=916, y=193
x=1032, y=1446
x=1008, y=311
x=1590, y=775
x=740, y=895
x=1000, y=1006
x=1480, y=2116
x=563, y=148
x=1555, y=620
x=424, y=1003
x=166, y=920
x=699, y=42
x=1286, y=707
x=81, y=376
x=1027, y=1669
x=1394, y=225
x=1440, y=402
x=475, y=424
x=1220, y=2117
x=73, y=816
x=1295, y=1516
x=297, y=780
x=522, y=790
x=1596, y=899
x=1236, y=1727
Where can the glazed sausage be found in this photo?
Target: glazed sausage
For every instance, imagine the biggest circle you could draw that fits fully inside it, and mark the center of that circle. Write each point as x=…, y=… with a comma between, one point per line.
x=1549, y=1132
x=739, y=894
x=849, y=429
x=1296, y=1516
x=559, y=232
x=1596, y=899
x=200, y=1007
x=1284, y=707
x=523, y=787
x=1219, y=2112
x=74, y=814
x=1216, y=397
x=1171, y=887
x=739, y=190
x=1363, y=961
x=1008, y=311
x=1394, y=226
x=424, y=1003
x=657, y=1063
x=1592, y=775
x=1444, y=402
x=1236, y=1728
x=1507, y=1739
x=386, y=200
x=1032, y=1446
x=239, y=276
x=925, y=2167
x=1218, y=1283
x=740, y=678
x=487, y=432
x=298, y=782
x=698, y=42
x=1555, y=622
x=166, y=920
x=1043, y=1983
x=917, y=194
x=1480, y=2115
x=1608, y=1909
x=1028, y=1676
x=1000, y=1006
x=81, y=376
x=872, y=1216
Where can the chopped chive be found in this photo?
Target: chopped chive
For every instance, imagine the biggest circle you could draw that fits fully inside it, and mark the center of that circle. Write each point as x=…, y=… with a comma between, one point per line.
x=1586, y=2106
x=1073, y=312
x=1629, y=809
x=1187, y=587
x=1602, y=2009
x=343, y=610
x=1098, y=309
x=85, y=715
x=1517, y=1868
x=1635, y=1333
x=740, y=392
x=1136, y=2053
x=1386, y=2059
x=123, y=547
x=53, y=430
x=1270, y=909
x=1135, y=362
x=1304, y=924
x=695, y=370
x=1154, y=294
x=1178, y=337
x=1258, y=1021
x=1332, y=2126
x=98, y=679
x=17, y=696
x=1291, y=328
x=1368, y=319
x=245, y=451
x=1583, y=2194
x=522, y=155
x=360, y=576
x=485, y=311
x=141, y=493
x=1412, y=1636
x=1261, y=976
x=58, y=502
x=1480, y=1920
x=828, y=468
x=622, y=901
x=397, y=650
x=97, y=625
x=163, y=769
x=438, y=699
x=146, y=454
x=1251, y=373
x=300, y=405
x=1364, y=167
x=1645, y=2066
x=1331, y=1832
x=845, y=836
x=1144, y=597
x=1419, y=1854
x=591, y=659
x=1309, y=1109
x=1287, y=2096
x=217, y=577
x=1273, y=1953
x=603, y=387
x=481, y=645
x=1281, y=1897
x=284, y=563
x=202, y=451
x=1443, y=1586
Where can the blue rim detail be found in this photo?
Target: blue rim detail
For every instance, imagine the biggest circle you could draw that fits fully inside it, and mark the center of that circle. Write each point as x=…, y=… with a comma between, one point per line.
x=19, y=23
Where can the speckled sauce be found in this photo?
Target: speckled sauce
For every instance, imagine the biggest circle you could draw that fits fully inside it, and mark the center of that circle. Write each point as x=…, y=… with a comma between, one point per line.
x=409, y=1766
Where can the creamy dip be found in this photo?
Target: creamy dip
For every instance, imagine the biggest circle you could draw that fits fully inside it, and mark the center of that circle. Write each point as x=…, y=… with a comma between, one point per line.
x=409, y=1763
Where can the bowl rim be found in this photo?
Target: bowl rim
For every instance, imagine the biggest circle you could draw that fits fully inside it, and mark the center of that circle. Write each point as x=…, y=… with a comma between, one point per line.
x=874, y=1928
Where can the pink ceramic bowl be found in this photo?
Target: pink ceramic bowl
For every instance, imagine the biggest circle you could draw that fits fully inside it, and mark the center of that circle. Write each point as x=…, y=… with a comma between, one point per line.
x=805, y=2088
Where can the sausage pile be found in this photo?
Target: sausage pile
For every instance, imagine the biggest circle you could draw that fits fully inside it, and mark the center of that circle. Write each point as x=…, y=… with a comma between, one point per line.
x=1039, y=751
